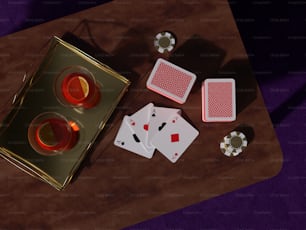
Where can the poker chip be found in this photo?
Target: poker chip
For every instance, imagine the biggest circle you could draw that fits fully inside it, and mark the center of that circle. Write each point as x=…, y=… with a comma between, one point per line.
x=233, y=144
x=164, y=41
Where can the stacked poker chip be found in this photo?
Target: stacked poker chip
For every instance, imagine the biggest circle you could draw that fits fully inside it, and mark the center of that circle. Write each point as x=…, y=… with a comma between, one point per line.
x=233, y=144
x=164, y=41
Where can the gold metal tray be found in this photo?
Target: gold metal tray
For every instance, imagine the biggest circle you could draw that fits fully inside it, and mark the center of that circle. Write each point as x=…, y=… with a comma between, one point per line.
x=39, y=96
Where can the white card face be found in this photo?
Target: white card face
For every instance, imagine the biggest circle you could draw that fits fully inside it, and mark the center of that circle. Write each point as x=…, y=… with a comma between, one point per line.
x=139, y=122
x=175, y=138
x=158, y=118
x=127, y=139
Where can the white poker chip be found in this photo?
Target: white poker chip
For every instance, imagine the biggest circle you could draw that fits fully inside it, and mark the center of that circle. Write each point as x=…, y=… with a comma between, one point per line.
x=233, y=144
x=164, y=41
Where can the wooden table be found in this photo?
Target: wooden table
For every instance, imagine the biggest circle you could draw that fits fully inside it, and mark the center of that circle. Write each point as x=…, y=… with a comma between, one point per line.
x=115, y=188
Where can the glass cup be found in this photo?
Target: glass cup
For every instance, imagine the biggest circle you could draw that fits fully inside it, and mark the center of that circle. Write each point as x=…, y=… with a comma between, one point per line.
x=51, y=134
x=76, y=86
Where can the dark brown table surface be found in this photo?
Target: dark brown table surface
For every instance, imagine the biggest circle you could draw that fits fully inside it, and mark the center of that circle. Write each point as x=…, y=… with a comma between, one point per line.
x=115, y=188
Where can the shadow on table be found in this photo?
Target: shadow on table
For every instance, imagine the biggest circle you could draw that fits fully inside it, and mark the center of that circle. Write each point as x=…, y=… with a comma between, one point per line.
x=246, y=85
x=204, y=58
x=247, y=130
x=101, y=55
x=200, y=56
x=133, y=49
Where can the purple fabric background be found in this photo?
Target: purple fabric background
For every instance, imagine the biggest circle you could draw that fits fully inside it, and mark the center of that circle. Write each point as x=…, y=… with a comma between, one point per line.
x=274, y=35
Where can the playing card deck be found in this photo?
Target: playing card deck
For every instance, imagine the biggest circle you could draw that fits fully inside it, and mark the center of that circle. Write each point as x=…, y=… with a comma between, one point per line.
x=171, y=81
x=218, y=100
x=158, y=128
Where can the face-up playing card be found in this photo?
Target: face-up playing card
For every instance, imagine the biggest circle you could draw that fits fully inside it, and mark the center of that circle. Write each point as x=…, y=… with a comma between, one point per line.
x=175, y=138
x=218, y=100
x=127, y=139
x=171, y=81
x=158, y=118
x=139, y=122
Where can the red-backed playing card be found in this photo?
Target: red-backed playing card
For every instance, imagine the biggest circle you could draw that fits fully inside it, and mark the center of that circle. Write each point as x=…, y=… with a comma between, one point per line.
x=218, y=100
x=171, y=81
